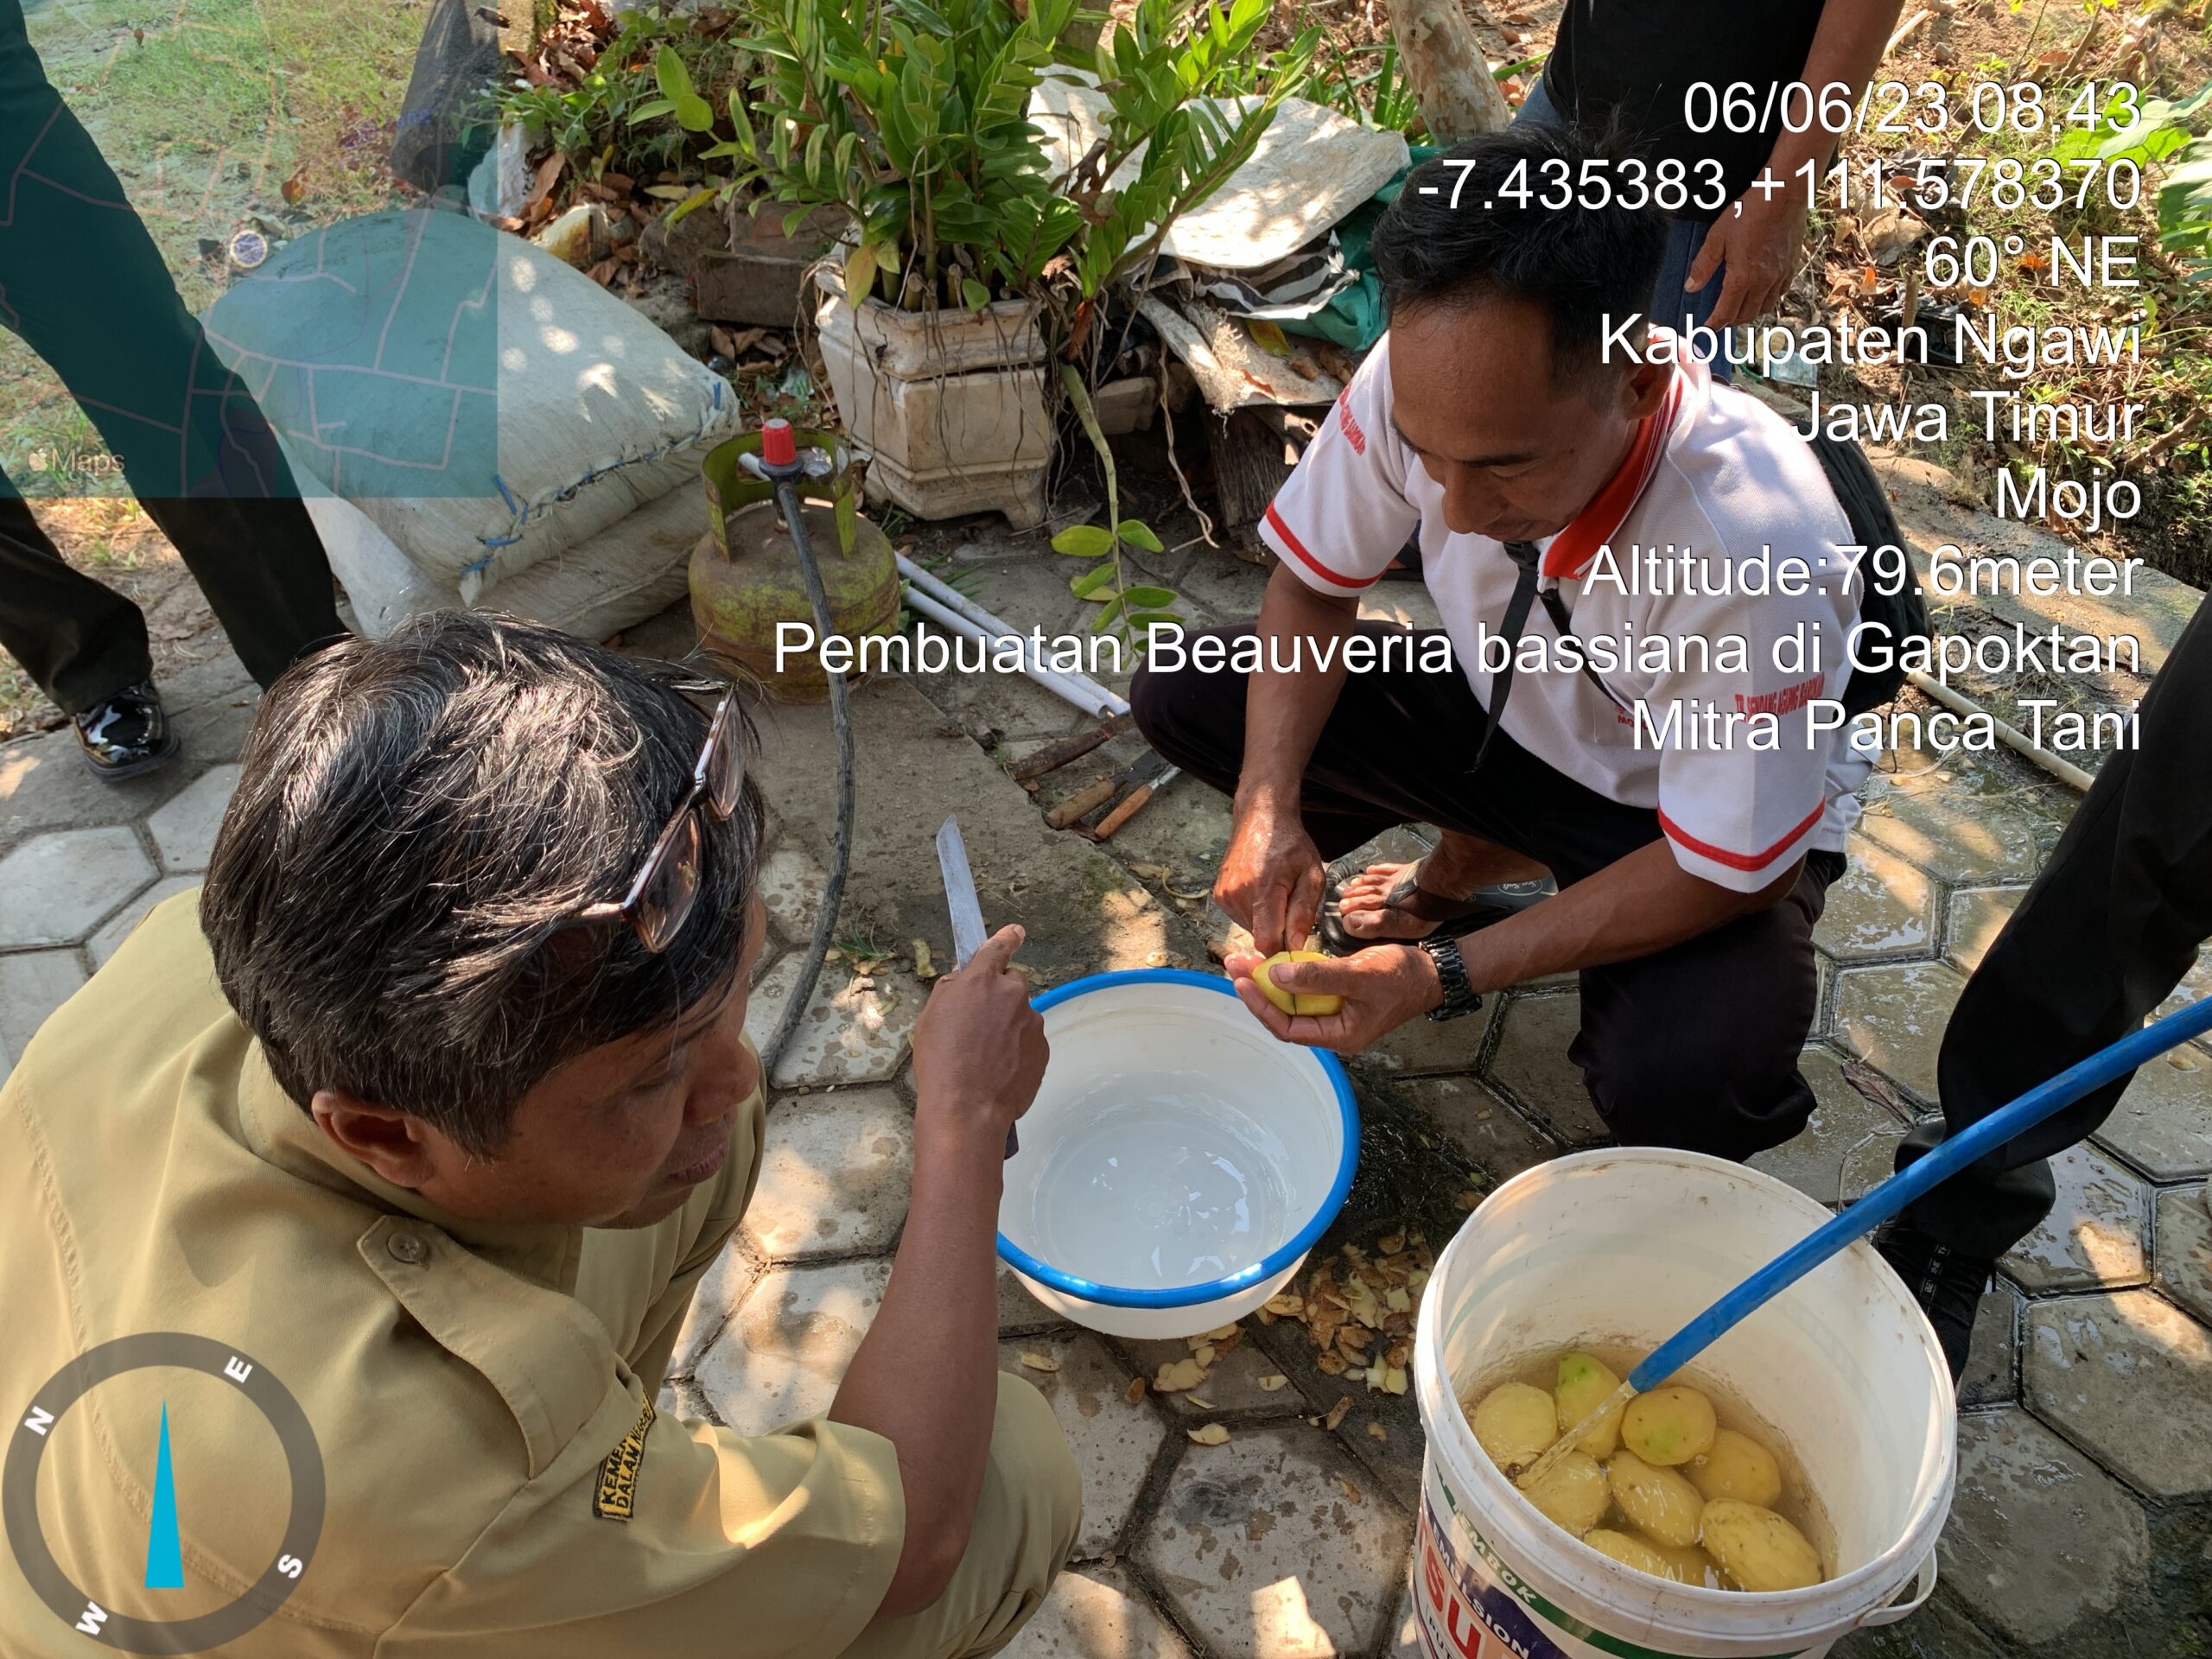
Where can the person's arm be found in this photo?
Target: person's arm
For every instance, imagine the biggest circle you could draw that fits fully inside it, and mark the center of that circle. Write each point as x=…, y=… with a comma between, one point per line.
x=924, y=1377
x=1270, y=878
x=1635, y=905
x=1760, y=233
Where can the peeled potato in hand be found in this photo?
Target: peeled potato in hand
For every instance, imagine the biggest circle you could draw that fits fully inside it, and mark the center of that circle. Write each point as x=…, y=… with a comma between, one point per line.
x=1669, y=1425
x=1294, y=1001
x=1757, y=1548
x=1572, y=1494
x=1737, y=1466
x=1513, y=1423
x=1659, y=1501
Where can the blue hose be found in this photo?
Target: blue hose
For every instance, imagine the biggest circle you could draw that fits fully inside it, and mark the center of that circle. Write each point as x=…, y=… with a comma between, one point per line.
x=1901, y=1188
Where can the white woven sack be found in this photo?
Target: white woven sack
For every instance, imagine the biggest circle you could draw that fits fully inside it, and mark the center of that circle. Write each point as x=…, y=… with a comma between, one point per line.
x=484, y=404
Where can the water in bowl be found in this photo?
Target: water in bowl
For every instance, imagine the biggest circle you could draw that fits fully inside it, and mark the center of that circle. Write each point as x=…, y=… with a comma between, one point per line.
x=1157, y=1189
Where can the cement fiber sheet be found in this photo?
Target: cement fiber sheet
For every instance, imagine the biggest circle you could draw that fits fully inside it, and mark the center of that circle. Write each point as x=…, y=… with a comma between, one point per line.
x=1311, y=167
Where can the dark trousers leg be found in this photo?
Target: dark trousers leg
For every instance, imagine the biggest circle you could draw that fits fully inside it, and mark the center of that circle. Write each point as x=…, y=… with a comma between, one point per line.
x=83, y=284
x=1693, y=1046
x=2100, y=940
x=80, y=641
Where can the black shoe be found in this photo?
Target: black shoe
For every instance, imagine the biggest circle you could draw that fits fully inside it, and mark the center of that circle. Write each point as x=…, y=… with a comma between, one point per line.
x=128, y=733
x=1946, y=1285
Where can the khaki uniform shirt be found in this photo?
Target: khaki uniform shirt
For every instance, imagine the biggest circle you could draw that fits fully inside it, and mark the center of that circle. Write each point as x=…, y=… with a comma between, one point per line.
x=481, y=1395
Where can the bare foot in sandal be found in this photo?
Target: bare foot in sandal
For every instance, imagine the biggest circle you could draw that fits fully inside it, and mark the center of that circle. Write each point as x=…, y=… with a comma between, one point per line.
x=1409, y=901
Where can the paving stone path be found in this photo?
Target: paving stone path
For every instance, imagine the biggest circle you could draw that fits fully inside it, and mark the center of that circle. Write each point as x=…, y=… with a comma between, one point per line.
x=2084, y=1501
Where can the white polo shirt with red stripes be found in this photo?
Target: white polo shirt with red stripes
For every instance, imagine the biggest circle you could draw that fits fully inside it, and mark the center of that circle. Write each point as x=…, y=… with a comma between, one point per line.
x=1714, y=475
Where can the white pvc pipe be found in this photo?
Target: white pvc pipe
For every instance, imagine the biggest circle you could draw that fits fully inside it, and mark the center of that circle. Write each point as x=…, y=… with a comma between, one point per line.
x=2011, y=736
x=946, y=594
x=1092, y=700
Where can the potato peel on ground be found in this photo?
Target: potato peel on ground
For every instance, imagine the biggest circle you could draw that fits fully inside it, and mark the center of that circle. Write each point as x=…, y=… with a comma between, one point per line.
x=1209, y=1435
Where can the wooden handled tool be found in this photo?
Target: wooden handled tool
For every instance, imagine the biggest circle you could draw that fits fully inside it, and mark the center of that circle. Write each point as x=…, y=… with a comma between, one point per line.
x=1133, y=803
x=1059, y=753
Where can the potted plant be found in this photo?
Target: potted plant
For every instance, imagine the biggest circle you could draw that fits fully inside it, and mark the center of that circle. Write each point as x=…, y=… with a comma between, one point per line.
x=969, y=259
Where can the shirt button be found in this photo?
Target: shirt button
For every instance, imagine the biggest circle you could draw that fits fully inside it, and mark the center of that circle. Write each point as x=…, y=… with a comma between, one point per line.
x=408, y=1247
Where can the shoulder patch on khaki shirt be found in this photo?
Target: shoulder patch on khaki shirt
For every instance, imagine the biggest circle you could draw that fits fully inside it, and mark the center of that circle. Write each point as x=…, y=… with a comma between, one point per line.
x=616, y=1492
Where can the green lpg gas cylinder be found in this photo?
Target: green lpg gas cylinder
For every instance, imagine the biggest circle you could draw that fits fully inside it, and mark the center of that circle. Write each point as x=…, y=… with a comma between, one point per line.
x=745, y=574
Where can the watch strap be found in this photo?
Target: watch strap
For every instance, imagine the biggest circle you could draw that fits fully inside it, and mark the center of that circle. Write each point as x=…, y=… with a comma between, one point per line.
x=1460, y=996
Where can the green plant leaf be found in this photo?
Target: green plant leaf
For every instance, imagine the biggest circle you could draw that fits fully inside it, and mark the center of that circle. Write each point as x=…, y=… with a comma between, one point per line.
x=1083, y=542
x=651, y=109
x=859, y=272
x=696, y=200
x=1137, y=533
x=1087, y=585
x=1100, y=622
x=670, y=76
x=694, y=113
x=974, y=293
x=1144, y=618
x=1150, y=598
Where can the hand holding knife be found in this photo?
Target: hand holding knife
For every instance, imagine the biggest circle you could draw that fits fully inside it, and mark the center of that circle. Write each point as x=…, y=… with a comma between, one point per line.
x=967, y=912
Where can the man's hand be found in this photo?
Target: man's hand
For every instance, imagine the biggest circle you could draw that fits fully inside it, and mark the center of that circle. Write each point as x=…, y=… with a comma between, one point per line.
x=979, y=1048
x=1382, y=987
x=1759, y=239
x=1271, y=876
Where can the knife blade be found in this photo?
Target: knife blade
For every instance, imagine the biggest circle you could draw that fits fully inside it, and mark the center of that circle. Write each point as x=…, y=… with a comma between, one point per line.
x=967, y=913
x=959, y=893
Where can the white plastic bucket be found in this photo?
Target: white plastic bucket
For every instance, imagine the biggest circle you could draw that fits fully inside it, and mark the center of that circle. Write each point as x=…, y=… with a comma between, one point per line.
x=1219, y=1085
x=1624, y=1246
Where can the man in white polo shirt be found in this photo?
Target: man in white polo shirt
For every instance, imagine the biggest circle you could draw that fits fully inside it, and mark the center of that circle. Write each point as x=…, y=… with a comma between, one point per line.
x=1658, y=555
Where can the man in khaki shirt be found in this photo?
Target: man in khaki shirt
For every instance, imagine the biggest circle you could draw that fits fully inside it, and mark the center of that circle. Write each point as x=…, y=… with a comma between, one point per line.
x=413, y=1118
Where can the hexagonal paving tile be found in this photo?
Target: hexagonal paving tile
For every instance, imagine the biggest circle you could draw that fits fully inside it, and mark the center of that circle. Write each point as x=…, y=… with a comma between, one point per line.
x=1423, y=1048
x=33, y=984
x=1500, y=1141
x=2184, y=1248
x=855, y=1028
x=1971, y=823
x=1881, y=907
x=1977, y=916
x=117, y=928
x=780, y=1358
x=2094, y=1234
x=792, y=885
x=1114, y=1442
x=1096, y=1612
x=1264, y=1548
x=1530, y=1061
x=1232, y=1381
x=2039, y=1536
x=1844, y=1125
x=728, y=1280
x=184, y=829
x=2128, y=1375
x=1993, y=1358
x=2196, y=985
x=57, y=886
x=1893, y=1017
x=835, y=1175
x=2163, y=1124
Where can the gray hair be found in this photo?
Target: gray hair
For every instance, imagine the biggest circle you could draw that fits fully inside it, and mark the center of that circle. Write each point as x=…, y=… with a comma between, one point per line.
x=417, y=817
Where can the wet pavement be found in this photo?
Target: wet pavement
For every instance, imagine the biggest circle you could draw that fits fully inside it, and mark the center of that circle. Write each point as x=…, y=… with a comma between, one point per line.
x=2084, y=1505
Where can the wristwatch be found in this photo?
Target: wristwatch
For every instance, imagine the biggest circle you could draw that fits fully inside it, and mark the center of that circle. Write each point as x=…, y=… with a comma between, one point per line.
x=1459, y=997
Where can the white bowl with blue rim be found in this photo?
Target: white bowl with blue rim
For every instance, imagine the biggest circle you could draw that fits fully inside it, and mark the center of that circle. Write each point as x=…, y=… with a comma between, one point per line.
x=1178, y=1162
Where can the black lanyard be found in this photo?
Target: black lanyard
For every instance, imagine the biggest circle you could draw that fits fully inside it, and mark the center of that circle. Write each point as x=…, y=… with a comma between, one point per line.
x=1526, y=557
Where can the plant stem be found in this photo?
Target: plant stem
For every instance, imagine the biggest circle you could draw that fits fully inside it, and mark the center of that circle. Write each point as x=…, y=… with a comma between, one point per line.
x=1083, y=412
